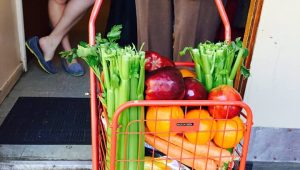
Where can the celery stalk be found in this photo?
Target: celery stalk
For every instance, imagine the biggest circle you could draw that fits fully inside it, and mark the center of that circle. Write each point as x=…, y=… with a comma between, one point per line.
x=228, y=63
x=123, y=97
x=110, y=100
x=124, y=77
x=219, y=66
x=132, y=154
x=236, y=65
x=110, y=111
x=218, y=63
x=195, y=53
x=136, y=93
x=140, y=95
x=206, y=69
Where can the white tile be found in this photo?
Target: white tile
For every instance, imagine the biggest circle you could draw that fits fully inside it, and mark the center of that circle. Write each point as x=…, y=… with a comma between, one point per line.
x=46, y=165
x=11, y=151
x=57, y=152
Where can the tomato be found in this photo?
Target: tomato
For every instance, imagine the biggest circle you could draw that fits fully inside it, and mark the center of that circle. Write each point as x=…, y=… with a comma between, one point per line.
x=224, y=93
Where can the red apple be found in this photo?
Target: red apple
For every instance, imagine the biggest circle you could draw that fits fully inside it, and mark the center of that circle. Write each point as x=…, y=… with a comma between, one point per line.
x=224, y=93
x=194, y=90
x=164, y=84
x=155, y=61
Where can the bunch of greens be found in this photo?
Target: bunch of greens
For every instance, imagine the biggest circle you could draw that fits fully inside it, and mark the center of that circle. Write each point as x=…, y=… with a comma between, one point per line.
x=217, y=63
x=124, y=77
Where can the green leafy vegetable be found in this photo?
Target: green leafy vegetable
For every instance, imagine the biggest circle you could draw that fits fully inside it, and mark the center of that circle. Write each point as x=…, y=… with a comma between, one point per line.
x=218, y=63
x=124, y=77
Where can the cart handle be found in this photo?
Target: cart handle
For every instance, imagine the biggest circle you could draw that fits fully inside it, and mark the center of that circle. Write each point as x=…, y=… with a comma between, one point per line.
x=93, y=90
x=224, y=19
x=185, y=64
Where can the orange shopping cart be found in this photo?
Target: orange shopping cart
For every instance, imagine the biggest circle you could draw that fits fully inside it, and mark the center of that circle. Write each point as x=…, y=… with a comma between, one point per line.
x=163, y=149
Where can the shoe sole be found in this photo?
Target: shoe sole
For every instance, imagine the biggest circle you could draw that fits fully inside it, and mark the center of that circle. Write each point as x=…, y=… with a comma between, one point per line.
x=27, y=45
x=72, y=74
x=76, y=75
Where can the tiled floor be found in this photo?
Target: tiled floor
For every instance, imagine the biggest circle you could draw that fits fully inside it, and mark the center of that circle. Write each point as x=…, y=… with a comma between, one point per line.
x=37, y=83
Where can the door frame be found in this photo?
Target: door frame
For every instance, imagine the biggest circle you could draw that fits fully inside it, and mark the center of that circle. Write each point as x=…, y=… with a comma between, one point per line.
x=21, y=32
x=249, y=40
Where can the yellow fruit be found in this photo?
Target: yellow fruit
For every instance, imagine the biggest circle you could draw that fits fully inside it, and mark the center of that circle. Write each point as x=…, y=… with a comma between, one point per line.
x=230, y=136
x=155, y=164
x=187, y=73
x=207, y=127
x=158, y=119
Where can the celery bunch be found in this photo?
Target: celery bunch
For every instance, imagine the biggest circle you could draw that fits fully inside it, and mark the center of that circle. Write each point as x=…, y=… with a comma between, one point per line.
x=124, y=77
x=218, y=63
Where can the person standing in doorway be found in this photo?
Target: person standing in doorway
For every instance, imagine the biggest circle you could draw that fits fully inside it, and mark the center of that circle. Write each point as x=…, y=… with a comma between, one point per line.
x=122, y=12
x=167, y=26
x=63, y=14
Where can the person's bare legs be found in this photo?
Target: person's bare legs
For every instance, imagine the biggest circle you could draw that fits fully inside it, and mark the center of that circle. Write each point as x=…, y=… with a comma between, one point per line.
x=55, y=10
x=73, y=10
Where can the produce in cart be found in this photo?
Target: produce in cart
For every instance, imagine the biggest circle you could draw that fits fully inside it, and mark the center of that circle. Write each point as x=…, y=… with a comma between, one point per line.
x=164, y=84
x=194, y=90
x=187, y=73
x=229, y=132
x=206, y=130
x=123, y=70
x=122, y=77
x=212, y=126
x=155, y=61
x=158, y=119
x=219, y=155
x=218, y=63
x=224, y=93
x=176, y=152
x=213, y=70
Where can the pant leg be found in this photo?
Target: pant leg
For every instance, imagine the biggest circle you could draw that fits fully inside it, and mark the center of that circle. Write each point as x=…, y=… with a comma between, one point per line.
x=209, y=21
x=195, y=21
x=154, y=25
x=123, y=12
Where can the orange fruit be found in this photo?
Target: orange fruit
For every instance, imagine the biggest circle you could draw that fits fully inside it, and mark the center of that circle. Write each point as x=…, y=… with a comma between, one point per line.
x=207, y=127
x=233, y=133
x=187, y=73
x=158, y=119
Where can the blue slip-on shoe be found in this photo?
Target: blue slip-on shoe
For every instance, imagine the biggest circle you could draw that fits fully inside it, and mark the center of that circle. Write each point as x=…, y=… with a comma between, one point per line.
x=75, y=69
x=33, y=45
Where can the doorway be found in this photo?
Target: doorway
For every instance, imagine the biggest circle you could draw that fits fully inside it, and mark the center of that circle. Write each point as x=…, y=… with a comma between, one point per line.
x=37, y=85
